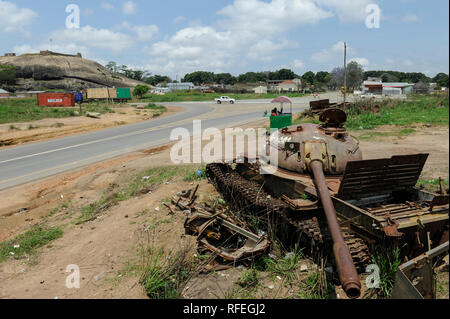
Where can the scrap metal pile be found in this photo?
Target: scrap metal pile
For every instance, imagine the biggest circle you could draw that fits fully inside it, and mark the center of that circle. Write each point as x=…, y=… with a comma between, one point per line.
x=220, y=234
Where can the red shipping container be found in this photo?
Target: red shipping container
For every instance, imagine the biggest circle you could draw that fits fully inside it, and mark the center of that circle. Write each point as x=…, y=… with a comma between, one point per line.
x=56, y=99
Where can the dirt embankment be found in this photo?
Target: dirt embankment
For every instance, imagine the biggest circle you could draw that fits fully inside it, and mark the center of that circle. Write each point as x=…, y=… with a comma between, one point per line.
x=107, y=249
x=20, y=133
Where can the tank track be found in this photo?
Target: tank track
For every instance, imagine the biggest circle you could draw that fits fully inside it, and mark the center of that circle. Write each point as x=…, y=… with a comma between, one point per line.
x=243, y=194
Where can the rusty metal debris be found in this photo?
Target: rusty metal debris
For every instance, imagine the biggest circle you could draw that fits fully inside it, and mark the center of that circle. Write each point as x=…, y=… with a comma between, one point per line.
x=323, y=194
x=414, y=279
x=218, y=233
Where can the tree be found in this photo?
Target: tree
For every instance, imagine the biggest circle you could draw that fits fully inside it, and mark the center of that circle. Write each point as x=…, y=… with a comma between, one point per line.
x=156, y=79
x=224, y=78
x=337, y=78
x=309, y=77
x=140, y=90
x=112, y=66
x=283, y=74
x=441, y=79
x=355, y=75
x=7, y=74
x=323, y=77
x=199, y=77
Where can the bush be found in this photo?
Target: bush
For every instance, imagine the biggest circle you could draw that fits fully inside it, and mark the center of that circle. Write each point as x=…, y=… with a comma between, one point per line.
x=141, y=90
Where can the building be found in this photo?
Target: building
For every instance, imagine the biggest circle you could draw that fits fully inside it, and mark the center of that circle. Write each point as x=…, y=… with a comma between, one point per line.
x=160, y=90
x=397, y=88
x=186, y=86
x=421, y=88
x=374, y=87
x=260, y=89
x=4, y=93
x=287, y=86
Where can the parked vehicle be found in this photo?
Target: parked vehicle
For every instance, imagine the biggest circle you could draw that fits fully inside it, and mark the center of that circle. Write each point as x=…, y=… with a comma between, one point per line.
x=225, y=99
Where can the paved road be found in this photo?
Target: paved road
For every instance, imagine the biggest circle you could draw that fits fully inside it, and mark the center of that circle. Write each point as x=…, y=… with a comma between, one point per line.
x=30, y=162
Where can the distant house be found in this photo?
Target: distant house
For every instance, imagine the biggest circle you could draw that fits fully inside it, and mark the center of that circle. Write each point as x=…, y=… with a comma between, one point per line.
x=375, y=87
x=4, y=93
x=260, y=89
x=421, y=88
x=288, y=86
x=397, y=88
x=186, y=86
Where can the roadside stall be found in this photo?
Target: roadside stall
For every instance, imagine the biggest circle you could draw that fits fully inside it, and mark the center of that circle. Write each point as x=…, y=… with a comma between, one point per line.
x=278, y=118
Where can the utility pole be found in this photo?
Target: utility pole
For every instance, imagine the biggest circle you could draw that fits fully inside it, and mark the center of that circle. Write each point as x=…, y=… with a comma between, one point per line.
x=345, y=73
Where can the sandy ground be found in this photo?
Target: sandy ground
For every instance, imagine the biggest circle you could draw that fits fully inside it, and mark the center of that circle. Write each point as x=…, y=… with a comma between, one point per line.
x=57, y=127
x=106, y=248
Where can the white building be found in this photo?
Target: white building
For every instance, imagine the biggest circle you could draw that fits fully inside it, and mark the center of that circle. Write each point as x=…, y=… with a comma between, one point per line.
x=260, y=89
x=186, y=86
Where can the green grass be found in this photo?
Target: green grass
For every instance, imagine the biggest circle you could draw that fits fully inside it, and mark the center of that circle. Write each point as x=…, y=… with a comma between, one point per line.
x=388, y=260
x=28, y=242
x=165, y=278
x=249, y=278
x=183, y=96
x=314, y=287
x=285, y=267
x=25, y=110
x=424, y=109
x=370, y=135
x=196, y=175
x=432, y=184
x=153, y=106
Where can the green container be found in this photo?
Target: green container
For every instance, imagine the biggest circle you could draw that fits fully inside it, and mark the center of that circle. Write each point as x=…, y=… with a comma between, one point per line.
x=123, y=93
x=280, y=121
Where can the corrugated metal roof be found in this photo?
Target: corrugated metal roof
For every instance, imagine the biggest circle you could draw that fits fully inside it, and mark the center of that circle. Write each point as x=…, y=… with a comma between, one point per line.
x=3, y=91
x=396, y=84
x=372, y=83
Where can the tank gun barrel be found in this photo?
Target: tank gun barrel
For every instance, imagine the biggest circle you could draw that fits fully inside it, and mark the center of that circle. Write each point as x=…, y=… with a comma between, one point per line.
x=346, y=269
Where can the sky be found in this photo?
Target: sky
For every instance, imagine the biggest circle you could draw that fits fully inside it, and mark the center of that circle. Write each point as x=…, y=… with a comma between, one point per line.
x=175, y=37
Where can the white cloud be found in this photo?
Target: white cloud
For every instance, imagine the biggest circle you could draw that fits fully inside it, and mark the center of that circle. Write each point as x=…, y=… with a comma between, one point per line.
x=298, y=64
x=347, y=10
x=268, y=18
x=410, y=18
x=332, y=54
x=363, y=61
x=249, y=30
x=106, y=6
x=91, y=37
x=14, y=18
x=129, y=7
x=143, y=32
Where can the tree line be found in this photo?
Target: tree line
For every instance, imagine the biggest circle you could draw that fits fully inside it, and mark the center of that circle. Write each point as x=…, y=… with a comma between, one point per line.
x=322, y=79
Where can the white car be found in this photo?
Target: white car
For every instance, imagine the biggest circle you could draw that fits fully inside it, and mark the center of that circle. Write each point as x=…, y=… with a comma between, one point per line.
x=224, y=99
